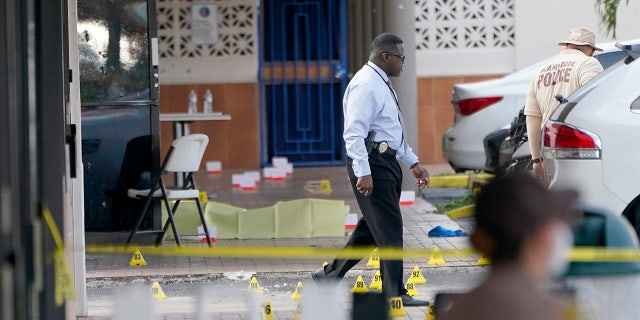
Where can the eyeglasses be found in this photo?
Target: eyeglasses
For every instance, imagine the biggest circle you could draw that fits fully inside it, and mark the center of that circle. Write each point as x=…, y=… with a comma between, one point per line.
x=402, y=57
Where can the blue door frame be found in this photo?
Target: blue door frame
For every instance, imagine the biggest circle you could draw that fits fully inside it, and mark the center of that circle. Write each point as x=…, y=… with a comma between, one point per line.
x=303, y=58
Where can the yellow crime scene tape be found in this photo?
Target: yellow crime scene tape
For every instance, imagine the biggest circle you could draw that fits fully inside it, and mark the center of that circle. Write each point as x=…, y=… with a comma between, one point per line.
x=271, y=252
x=579, y=254
x=64, y=288
x=599, y=254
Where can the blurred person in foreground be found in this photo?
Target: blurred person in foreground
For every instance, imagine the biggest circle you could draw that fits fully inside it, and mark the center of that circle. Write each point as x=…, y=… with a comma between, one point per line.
x=571, y=69
x=523, y=229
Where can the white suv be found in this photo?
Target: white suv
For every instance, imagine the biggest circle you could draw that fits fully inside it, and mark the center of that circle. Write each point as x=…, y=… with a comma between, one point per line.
x=592, y=142
x=485, y=106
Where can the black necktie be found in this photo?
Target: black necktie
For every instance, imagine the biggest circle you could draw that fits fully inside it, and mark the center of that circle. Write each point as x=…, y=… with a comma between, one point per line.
x=400, y=118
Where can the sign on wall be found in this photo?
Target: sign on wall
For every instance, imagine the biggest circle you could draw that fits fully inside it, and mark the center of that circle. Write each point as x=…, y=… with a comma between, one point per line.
x=233, y=59
x=204, y=24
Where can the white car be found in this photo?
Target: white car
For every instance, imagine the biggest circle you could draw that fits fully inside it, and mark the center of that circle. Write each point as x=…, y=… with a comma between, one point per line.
x=485, y=106
x=592, y=142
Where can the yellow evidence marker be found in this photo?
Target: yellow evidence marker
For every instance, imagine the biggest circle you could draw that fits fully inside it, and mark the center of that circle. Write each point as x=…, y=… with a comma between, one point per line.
x=297, y=294
x=416, y=277
x=411, y=289
x=267, y=312
x=483, y=261
x=374, y=260
x=255, y=286
x=157, y=292
x=137, y=259
x=431, y=312
x=436, y=258
x=359, y=286
x=395, y=308
x=376, y=282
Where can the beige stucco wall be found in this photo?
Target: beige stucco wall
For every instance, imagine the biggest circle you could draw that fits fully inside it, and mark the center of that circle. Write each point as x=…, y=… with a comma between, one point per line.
x=541, y=24
x=538, y=26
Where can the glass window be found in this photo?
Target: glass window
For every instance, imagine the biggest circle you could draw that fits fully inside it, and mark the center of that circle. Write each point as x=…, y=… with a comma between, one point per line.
x=113, y=50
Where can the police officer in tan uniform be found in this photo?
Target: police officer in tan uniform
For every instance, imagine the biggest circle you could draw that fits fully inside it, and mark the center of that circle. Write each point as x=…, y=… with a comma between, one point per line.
x=573, y=67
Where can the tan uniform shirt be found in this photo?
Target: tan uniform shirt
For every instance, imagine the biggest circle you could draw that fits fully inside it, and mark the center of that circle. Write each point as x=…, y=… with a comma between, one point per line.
x=566, y=73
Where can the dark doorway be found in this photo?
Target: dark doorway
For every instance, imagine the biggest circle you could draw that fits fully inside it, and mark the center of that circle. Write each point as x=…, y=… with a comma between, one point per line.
x=302, y=79
x=120, y=116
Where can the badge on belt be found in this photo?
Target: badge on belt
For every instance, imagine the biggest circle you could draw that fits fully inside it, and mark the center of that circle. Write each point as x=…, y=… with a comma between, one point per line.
x=382, y=147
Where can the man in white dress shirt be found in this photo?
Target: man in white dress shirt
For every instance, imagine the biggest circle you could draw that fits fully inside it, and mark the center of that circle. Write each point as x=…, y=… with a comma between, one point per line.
x=375, y=141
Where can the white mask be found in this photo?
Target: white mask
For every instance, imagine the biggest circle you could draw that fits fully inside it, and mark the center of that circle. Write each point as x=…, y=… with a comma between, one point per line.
x=558, y=259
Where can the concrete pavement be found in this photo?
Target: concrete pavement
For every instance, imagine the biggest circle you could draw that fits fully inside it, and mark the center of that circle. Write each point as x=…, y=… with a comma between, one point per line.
x=419, y=218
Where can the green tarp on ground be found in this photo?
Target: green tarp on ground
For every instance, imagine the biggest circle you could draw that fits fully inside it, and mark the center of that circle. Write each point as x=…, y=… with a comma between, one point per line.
x=304, y=218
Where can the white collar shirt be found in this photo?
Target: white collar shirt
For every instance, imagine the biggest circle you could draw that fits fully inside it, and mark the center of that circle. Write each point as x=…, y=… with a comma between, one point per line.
x=369, y=104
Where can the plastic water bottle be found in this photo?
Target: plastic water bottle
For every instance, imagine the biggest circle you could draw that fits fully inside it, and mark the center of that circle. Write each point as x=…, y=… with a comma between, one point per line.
x=193, y=102
x=208, y=102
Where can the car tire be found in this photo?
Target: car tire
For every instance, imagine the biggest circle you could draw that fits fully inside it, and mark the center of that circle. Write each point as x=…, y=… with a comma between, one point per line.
x=458, y=169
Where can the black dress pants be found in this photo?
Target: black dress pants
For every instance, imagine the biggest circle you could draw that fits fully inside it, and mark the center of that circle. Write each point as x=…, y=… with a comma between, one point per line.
x=381, y=222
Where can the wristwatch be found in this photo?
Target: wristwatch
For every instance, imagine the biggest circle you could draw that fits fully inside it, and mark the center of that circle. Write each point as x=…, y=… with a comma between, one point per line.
x=538, y=160
x=415, y=164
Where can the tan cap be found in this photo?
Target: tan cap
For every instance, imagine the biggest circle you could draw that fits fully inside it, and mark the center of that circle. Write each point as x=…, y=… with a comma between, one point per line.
x=581, y=37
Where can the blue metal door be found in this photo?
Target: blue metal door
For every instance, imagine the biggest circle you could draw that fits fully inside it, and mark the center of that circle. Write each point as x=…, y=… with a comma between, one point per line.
x=302, y=80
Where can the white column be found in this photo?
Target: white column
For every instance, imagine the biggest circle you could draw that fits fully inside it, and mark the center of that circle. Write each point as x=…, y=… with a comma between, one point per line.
x=74, y=215
x=398, y=18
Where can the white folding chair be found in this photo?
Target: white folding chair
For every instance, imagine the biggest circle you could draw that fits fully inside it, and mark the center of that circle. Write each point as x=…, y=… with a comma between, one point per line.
x=184, y=157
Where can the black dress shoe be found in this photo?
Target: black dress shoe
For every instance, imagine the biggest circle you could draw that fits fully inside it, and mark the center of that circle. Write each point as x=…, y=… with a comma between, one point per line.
x=409, y=301
x=319, y=274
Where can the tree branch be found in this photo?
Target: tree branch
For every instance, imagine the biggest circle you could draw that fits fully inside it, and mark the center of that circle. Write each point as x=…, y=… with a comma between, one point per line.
x=607, y=10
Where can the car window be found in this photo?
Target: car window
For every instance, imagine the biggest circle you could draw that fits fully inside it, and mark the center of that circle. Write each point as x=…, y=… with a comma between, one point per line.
x=577, y=95
x=608, y=59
